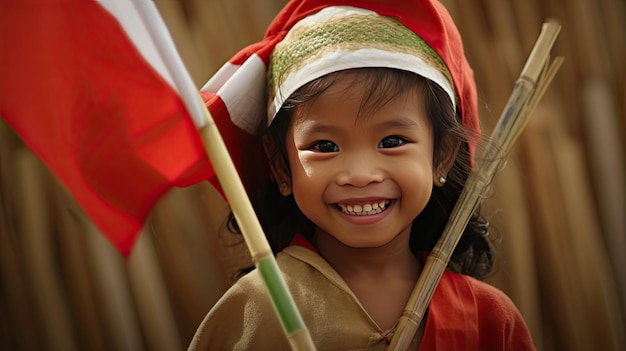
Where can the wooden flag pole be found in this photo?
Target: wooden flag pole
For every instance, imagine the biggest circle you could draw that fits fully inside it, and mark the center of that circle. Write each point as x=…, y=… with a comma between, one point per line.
x=262, y=255
x=529, y=88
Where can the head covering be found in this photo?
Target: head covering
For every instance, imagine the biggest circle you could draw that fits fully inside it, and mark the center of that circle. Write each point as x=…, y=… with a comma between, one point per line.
x=307, y=40
x=342, y=37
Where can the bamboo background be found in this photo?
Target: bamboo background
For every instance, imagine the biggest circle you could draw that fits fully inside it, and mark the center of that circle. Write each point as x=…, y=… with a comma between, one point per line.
x=558, y=208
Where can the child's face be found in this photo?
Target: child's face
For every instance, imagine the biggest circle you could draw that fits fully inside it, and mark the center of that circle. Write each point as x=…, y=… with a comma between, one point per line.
x=343, y=165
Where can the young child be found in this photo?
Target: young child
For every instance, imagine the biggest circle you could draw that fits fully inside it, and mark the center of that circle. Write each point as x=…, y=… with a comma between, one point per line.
x=371, y=135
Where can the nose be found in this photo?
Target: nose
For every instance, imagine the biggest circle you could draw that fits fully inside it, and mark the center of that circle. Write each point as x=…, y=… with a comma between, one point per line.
x=360, y=170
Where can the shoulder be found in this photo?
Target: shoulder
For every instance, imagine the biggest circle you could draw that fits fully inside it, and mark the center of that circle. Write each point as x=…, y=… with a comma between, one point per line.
x=244, y=303
x=496, y=306
x=244, y=317
x=499, y=323
x=483, y=293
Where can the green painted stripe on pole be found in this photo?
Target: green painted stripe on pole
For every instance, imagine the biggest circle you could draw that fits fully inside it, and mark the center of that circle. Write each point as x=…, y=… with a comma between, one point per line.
x=281, y=298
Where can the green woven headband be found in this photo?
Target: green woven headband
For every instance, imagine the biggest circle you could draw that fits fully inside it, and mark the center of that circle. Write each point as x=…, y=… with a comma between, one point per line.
x=339, y=38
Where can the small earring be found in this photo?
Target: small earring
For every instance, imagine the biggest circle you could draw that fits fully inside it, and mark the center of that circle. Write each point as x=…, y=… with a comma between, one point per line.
x=442, y=180
x=284, y=188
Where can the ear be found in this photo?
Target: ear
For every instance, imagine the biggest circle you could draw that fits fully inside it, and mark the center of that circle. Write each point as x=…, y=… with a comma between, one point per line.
x=279, y=170
x=449, y=149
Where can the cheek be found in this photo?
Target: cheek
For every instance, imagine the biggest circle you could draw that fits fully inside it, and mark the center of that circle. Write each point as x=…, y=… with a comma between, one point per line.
x=303, y=176
x=416, y=180
x=300, y=169
x=305, y=168
x=306, y=179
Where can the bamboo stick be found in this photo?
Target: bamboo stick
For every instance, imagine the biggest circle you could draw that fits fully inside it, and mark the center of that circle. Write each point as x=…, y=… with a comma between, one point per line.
x=516, y=274
x=18, y=311
x=173, y=14
x=207, y=26
x=228, y=251
x=571, y=76
x=484, y=57
x=36, y=238
x=179, y=237
x=593, y=52
x=516, y=260
x=608, y=159
x=613, y=21
x=261, y=14
x=528, y=90
x=601, y=304
x=528, y=17
x=151, y=298
x=233, y=11
x=505, y=42
x=79, y=285
x=601, y=129
x=260, y=251
x=563, y=313
x=113, y=297
x=513, y=221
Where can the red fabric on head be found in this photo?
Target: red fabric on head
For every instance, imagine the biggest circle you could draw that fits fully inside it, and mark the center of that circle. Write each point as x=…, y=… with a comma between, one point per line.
x=237, y=91
x=427, y=18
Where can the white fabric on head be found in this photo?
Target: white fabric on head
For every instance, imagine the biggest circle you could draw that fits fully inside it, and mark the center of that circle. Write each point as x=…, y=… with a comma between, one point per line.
x=342, y=59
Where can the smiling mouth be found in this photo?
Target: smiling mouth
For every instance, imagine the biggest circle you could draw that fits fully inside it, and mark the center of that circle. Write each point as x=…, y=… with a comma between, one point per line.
x=365, y=209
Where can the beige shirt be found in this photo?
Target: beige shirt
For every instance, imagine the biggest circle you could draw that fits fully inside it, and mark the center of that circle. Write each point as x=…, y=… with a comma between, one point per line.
x=464, y=314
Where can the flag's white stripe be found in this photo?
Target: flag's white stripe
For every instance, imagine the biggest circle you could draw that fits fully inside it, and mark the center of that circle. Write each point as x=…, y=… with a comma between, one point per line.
x=168, y=52
x=124, y=12
x=147, y=31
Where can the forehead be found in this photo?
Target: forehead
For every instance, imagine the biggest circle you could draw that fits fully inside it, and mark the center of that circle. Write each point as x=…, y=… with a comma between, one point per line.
x=362, y=93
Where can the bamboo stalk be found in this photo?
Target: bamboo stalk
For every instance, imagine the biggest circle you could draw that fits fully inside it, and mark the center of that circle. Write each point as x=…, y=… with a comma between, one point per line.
x=603, y=135
x=228, y=252
x=529, y=88
x=151, y=298
x=507, y=43
x=552, y=245
x=514, y=25
x=601, y=314
x=113, y=296
x=42, y=271
x=262, y=256
x=260, y=251
x=180, y=238
x=487, y=61
x=173, y=14
x=518, y=273
x=79, y=285
x=16, y=295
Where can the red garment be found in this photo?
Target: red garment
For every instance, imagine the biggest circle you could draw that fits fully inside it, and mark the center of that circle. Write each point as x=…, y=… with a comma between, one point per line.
x=467, y=314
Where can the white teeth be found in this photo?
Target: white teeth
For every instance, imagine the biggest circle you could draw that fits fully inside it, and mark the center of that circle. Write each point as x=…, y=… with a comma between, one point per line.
x=365, y=209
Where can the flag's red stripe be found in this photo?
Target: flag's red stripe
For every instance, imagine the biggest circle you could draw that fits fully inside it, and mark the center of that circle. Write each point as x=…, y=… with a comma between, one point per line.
x=84, y=100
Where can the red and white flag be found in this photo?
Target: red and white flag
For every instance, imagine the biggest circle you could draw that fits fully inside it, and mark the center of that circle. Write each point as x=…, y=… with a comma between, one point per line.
x=103, y=104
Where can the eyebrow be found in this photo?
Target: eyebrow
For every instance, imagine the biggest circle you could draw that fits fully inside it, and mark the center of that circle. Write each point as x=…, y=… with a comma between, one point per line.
x=399, y=122
x=309, y=128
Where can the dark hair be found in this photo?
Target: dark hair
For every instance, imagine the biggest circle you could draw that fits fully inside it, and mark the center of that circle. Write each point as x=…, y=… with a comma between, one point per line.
x=281, y=218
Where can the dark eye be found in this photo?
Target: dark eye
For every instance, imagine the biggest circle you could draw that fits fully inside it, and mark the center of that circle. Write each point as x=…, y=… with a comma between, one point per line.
x=391, y=141
x=325, y=146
